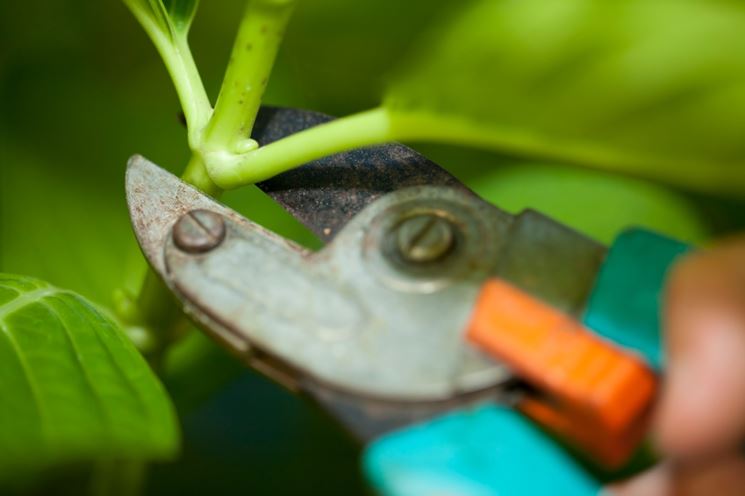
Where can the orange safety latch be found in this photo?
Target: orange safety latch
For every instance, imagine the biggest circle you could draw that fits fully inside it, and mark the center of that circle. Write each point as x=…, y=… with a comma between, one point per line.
x=590, y=393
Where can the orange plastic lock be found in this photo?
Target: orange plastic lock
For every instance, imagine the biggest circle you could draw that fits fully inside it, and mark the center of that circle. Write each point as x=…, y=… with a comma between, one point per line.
x=590, y=393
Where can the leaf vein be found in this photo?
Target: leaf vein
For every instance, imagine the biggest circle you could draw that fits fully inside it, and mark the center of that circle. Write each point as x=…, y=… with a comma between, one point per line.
x=141, y=403
x=24, y=299
x=103, y=414
x=30, y=381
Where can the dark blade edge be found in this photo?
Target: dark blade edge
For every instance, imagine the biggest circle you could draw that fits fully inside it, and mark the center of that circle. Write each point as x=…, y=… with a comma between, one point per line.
x=325, y=194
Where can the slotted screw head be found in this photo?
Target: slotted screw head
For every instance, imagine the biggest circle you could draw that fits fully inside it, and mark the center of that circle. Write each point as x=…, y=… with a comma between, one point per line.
x=424, y=238
x=199, y=231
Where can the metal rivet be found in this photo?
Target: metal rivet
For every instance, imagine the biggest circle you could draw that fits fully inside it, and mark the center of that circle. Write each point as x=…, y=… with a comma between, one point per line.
x=199, y=231
x=424, y=238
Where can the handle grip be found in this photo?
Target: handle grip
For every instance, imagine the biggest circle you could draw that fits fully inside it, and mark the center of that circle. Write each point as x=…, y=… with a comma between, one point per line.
x=494, y=451
x=625, y=304
x=590, y=393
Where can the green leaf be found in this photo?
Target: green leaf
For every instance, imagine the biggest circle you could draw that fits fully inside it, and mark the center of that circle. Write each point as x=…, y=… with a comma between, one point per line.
x=651, y=88
x=172, y=17
x=181, y=12
x=72, y=387
x=596, y=203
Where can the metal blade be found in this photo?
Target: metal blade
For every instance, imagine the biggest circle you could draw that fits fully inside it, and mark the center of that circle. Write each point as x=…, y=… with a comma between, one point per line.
x=347, y=316
x=325, y=194
x=156, y=200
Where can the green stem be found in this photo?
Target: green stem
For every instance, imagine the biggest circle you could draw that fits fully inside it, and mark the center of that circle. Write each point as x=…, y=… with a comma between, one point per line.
x=174, y=50
x=196, y=175
x=192, y=95
x=259, y=36
x=160, y=314
x=358, y=130
x=379, y=125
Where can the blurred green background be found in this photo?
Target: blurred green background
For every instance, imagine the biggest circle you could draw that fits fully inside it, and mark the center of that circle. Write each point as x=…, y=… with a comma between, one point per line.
x=81, y=89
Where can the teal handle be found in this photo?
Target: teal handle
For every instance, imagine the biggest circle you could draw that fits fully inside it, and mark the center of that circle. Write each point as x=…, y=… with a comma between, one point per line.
x=488, y=451
x=626, y=302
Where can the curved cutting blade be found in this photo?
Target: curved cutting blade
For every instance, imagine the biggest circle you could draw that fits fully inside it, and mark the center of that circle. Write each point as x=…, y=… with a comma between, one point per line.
x=156, y=200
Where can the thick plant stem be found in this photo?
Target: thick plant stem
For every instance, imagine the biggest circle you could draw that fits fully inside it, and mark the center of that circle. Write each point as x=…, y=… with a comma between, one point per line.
x=196, y=175
x=160, y=315
x=363, y=129
x=259, y=36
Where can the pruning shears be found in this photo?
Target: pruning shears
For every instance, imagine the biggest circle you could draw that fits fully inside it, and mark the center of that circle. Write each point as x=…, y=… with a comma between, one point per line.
x=464, y=346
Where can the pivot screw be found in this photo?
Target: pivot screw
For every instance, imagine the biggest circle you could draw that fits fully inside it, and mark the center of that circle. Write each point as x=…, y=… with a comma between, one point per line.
x=199, y=231
x=424, y=238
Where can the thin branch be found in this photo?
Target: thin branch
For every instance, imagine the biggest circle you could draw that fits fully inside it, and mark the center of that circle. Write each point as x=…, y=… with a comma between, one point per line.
x=173, y=48
x=354, y=131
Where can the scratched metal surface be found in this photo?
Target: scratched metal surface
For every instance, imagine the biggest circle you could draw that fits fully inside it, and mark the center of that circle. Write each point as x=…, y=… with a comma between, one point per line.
x=325, y=194
x=347, y=316
x=156, y=200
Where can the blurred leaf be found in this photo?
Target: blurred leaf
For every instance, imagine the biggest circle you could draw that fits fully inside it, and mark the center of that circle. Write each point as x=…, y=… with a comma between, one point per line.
x=336, y=53
x=74, y=387
x=196, y=368
x=649, y=88
x=597, y=203
x=67, y=225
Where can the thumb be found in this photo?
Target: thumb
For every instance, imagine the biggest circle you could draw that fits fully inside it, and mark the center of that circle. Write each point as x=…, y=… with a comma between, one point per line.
x=719, y=477
x=702, y=408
